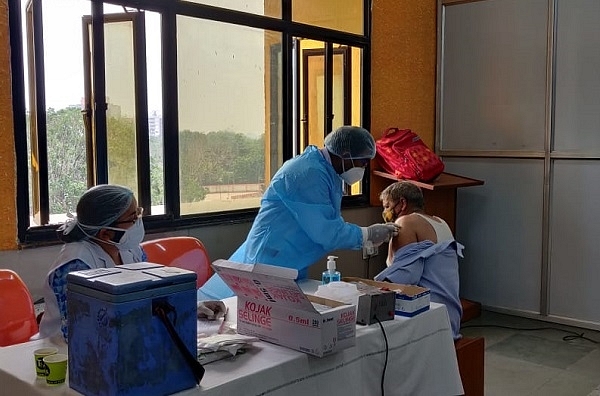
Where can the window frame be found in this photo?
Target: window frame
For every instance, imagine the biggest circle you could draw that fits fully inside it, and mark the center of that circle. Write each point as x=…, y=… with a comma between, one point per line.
x=169, y=10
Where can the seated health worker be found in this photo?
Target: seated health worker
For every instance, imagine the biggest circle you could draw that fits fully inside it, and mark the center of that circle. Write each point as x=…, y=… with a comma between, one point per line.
x=300, y=220
x=424, y=252
x=107, y=232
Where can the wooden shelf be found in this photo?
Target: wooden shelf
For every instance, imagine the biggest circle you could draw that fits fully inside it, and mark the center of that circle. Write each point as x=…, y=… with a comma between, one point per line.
x=443, y=181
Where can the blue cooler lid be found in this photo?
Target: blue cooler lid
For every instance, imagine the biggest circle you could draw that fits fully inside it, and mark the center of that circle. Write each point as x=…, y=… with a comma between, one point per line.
x=129, y=278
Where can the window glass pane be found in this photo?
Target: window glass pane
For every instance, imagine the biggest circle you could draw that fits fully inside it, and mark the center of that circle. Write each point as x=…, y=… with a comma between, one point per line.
x=229, y=114
x=274, y=105
x=346, y=92
x=64, y=92
x=155, y=119
x=312, y=92
x=343, y=15
x=230, y=87
x=120, y=93
x=346, y=89
x=271, y=8
x=356, y=79
x=121, y=111
x=65, y=76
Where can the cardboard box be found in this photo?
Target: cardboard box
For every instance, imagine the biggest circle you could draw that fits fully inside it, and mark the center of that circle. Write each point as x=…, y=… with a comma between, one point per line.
x=374, y=303
x=116, y=345
x=272, y=307
x=411, y=300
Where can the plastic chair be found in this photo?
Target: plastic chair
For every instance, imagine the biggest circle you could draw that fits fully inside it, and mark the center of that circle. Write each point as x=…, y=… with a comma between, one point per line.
x=17, y=314
x=182, y=252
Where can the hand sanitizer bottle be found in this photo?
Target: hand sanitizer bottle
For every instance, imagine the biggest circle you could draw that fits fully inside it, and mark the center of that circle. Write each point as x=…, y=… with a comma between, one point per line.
x=331, y=274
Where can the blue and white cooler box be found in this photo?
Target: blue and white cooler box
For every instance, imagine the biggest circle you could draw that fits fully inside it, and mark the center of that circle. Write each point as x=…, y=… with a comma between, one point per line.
x=117, y=343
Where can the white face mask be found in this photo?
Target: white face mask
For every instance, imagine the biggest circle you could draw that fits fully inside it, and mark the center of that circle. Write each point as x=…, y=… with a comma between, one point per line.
x=353, y=175
x=132, y=237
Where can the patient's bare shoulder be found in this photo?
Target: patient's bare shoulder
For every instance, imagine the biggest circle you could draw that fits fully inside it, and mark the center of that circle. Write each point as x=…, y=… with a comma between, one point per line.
x=407, y=233
x=421, y=226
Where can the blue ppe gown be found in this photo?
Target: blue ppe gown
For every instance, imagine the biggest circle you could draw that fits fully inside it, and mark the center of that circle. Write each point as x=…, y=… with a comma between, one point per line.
x=299, y=221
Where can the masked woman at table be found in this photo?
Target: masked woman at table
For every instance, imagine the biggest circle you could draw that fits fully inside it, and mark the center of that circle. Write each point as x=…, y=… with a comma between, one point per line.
x=107, y=232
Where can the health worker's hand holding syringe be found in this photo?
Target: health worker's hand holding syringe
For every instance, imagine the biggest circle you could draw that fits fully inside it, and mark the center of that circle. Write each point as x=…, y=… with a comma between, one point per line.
x=379, y=233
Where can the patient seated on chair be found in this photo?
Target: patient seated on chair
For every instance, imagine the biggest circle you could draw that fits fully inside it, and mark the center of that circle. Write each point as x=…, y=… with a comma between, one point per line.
x=424, y=252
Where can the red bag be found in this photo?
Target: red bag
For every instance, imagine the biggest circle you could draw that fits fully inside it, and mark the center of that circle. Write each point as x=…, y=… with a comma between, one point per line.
x=403, y=154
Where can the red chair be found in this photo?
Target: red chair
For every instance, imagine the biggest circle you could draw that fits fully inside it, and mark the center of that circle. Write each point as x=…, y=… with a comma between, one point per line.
x=182, y=252
x=17, y=314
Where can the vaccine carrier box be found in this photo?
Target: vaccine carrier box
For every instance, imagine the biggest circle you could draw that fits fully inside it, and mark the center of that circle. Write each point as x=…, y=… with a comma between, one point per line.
x=272, y=307
x=117, y=345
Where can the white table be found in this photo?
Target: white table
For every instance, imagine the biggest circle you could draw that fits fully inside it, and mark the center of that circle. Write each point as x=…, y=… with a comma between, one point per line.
x=421, y=361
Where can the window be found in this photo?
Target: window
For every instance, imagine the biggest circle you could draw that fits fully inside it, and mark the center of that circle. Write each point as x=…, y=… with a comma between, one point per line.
x=194, y=105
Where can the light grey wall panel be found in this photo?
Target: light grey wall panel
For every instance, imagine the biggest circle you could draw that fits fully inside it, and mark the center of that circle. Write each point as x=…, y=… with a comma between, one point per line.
x=494, y=75
x=577, y=110
x=575, y=249
x=500, y=224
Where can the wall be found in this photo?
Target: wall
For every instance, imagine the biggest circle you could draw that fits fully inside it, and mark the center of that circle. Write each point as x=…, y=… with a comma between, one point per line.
x=403, y=94
x=403, y=72
x=8, y=217
x=519, y=109
x=404, y=66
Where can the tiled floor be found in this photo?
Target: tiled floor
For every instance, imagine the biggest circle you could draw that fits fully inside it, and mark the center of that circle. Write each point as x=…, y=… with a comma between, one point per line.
x=536, y=362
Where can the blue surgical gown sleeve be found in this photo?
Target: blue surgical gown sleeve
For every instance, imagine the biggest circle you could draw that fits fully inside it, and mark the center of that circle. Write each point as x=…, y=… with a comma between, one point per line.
x=214, y=289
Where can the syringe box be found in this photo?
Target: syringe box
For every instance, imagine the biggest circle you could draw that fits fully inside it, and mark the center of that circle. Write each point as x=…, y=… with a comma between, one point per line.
x=410, y=300
x=374, y=304
x=272, y=307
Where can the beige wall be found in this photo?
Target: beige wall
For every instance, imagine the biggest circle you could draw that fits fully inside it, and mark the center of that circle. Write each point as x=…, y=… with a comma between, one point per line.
x=404, y=66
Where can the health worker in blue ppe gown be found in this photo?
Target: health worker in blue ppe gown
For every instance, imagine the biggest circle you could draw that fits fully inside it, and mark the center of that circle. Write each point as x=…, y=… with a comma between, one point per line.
x=300, y=220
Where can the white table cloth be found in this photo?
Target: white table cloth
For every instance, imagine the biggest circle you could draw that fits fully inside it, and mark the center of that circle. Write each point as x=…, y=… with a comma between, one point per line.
x=421, y=361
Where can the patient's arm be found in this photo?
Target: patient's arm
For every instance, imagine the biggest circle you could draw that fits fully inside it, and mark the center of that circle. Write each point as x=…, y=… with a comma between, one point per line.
x=406, y=235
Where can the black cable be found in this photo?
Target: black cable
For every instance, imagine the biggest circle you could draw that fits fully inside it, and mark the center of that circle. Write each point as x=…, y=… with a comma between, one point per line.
x=162, y=310
x=573, y=335
x=387, y=348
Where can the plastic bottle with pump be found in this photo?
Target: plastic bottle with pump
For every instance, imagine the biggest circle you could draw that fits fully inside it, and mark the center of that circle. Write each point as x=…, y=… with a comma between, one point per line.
x=331, y=275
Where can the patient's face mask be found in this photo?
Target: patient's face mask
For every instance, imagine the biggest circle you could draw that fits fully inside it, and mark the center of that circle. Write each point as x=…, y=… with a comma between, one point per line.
x=352, y=175
x=132, y=237
x=389, y=215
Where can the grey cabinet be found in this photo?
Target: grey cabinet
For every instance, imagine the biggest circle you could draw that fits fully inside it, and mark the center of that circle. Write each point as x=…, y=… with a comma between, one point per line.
x=494, y=75
x=518, y=106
